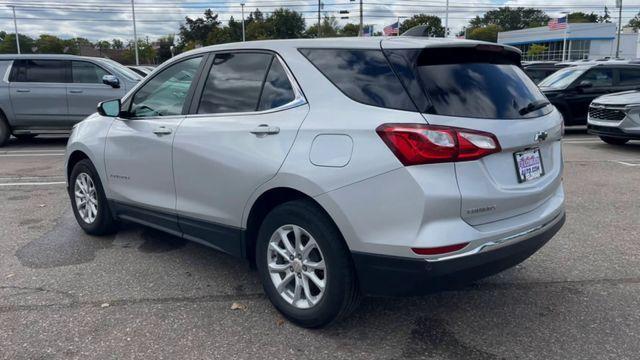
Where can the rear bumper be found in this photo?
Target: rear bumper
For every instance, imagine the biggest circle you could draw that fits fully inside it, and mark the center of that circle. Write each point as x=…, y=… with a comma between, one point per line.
x=396, y=276
x=612, y=131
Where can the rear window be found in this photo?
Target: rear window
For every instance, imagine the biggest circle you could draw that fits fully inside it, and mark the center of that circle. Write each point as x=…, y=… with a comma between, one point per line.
x=363, y=75
x=467, y=82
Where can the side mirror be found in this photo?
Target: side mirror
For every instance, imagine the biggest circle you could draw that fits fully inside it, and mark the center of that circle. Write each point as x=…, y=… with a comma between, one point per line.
x=111, y=81
x=584, y=84
x=110, y=108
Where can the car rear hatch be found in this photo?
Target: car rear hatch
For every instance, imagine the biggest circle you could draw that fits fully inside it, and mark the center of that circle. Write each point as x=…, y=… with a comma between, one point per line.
x=481, y=87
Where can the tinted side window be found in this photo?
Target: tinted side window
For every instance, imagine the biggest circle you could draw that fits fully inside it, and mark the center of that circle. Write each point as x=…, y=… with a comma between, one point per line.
x=86, y=72
x=363, y=75
x=277, y=89
x=629, y=76
x=599, y=77
x=166, y=92
x=234, y=83
x=50, y=71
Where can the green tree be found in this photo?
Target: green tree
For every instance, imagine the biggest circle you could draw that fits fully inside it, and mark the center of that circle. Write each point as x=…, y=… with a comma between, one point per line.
x=163, y=53
x=581, y=17
x=8, y=44
x=433, y=23
x=285, y=24
x=256, y=27
x=117, y=44
x=536, y=49
x=350, y=30
x=196, y=31
x=635, y=22
x=329, y=27
x=485, y=33
x=606, y=18
x=49, y=44
x=146, y=52
x=511, y=18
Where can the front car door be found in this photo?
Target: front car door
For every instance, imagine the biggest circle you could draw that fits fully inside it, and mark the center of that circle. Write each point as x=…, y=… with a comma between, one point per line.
x=138, y=152
x=601, y=80
x=86, y=89
x=236, y=137
x=38, y=92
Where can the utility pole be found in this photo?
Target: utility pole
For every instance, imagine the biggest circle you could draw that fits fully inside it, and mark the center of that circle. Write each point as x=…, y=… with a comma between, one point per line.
x=319, y=6
x=242, y=6
x=135, y=32
x=15, y=27
x=361, y=29
x=446, y=21
x=619, y=4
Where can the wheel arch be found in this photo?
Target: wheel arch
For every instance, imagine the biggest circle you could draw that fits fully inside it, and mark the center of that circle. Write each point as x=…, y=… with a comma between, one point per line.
x=75, y=157
x=263, y=204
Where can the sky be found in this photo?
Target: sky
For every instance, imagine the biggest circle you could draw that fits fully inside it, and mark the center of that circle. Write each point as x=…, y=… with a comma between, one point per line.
x=105, y=20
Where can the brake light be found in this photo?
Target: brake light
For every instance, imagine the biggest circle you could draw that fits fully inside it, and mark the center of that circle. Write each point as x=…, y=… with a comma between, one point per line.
x=415, y=144
x=439, y=250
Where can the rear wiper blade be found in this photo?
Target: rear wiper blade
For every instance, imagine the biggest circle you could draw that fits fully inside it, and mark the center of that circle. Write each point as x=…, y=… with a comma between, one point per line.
x=533, y=106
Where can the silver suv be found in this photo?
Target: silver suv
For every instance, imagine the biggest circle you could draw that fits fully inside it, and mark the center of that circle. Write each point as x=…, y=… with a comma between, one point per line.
x=615, y=118
x=338, y=167
x=43, y=94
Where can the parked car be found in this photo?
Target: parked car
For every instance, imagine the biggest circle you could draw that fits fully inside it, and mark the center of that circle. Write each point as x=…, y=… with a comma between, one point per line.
x=615, y=118
x=339, y=167
x=538, y=71
x=141, y=70
x=572, y=89
x=44, y=94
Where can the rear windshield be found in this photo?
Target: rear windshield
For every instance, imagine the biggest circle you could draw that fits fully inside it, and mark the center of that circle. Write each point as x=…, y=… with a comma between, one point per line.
x=468, y=83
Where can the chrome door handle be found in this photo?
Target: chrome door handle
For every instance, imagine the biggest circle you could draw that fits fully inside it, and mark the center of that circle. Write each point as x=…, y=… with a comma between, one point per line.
x=162, y=130
x=23, y=90
x=75, y=91
x=265, y=130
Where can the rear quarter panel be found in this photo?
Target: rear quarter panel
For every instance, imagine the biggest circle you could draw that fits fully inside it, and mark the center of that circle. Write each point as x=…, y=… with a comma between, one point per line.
x=5, y=99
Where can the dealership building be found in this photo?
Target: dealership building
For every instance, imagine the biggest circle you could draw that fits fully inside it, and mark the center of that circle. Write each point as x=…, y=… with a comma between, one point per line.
x=584, y=41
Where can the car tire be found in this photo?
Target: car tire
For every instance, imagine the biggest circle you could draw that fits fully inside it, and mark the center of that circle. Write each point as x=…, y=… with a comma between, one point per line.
x=614, y=140
x=85, y=187
x=5, y=131
x=317, y=232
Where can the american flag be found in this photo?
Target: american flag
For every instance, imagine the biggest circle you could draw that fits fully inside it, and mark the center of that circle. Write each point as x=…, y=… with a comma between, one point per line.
x=558, y=24
x=391, y=29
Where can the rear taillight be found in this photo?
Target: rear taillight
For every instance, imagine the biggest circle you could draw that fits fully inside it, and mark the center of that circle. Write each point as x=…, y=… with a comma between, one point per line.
x=415, y=144
x=439, y=250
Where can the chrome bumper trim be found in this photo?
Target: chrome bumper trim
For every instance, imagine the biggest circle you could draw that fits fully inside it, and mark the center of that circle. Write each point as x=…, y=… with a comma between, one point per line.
x=489, y=245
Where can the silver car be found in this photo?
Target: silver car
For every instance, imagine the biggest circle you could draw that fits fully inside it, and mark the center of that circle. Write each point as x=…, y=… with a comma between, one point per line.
x=615, y=118
x=45, y=94
x=338, y=167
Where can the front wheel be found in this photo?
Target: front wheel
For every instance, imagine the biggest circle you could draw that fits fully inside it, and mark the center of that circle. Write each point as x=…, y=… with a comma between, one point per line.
x=88, y=200
x=305, y=265
x=614, y=140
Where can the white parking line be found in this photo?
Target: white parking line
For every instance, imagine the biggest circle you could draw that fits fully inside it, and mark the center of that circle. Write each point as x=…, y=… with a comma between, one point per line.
x=627, y=164
x=32, y=155
x=33, y=183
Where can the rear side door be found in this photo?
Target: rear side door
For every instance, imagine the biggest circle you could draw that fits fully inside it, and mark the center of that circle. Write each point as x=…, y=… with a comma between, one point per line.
x=238, y=133
x=138, y=153
x=627, y=78
x=86, y=89
x=601, y=80
x=38, y=92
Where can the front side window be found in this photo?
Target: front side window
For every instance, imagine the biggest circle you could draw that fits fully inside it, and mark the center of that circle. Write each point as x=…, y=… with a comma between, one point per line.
x=46, y=71
x=599, y=77
x=234, y=83
x=86, y=72
x=629, y=77
x=165, y=93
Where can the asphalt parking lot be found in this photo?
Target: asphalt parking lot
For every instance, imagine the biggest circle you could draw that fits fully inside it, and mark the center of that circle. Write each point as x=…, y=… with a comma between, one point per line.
x=144, y=294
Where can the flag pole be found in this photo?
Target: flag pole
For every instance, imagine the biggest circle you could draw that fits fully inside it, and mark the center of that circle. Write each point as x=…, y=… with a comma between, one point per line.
x=564, y=41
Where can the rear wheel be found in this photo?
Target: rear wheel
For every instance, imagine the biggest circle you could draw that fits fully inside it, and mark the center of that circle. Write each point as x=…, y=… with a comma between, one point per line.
x=305, y=265
x=88, y=200
x=5, y=132
x=614, y=140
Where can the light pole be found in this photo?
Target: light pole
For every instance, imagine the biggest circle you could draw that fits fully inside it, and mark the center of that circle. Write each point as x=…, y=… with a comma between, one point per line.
x=361, y=28
x=319, y=7
x=242, y=9
x=619, y=4
x=135, y=32
x=15, y=26
x=446, y=20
